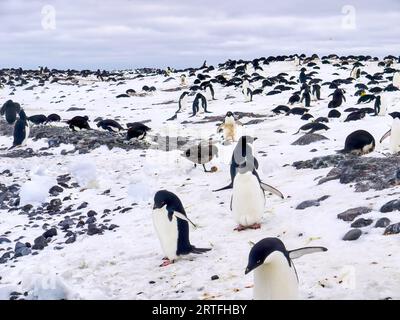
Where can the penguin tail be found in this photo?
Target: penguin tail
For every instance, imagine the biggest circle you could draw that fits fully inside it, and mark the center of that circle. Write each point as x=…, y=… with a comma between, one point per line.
x=199, y=250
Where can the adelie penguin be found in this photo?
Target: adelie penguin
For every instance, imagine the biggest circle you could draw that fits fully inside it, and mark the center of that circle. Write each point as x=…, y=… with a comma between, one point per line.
x=79, y=123
x=109, y=125
x=359, y=142
x=306, y=96
x=183, y=101
x=38, y=119
x=21, y=130
x=394, y=134
x=312, y=127
x=172, y=227
x=248, y=197
x=337, y=98
x=229, y=127
x=246, y=91
x=137, y=130
x=201, y=154
x=316, y=91
x=53, y=118
x=380, y=105
x=243, y=152
x=199, y=100
x=10, y=109
x=355, y=72
x=275, y=276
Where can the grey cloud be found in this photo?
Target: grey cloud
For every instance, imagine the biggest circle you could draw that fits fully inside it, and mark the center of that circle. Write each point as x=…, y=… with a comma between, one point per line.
x=128, y=34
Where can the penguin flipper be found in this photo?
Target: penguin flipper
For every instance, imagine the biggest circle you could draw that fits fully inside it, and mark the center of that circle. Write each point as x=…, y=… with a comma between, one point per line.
x=229, y=186
x=268, y=188
x=183, y=217
x=387, y=134
x=297, y=253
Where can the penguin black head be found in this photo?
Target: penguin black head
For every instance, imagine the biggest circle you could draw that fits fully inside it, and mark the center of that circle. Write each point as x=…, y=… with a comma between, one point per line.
x=164, y=197
x=22, y=115
x=246, y=139
x=262, y=249
x=229, y=114
x=86, y=118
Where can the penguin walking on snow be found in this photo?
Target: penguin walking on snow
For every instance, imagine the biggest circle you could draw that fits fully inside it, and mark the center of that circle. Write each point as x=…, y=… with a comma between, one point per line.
x=248, y=198
x=229, y=127
x=316, y=91
x=306, y=96
x=199, y=99
x=137, y=130
x=182, y=102
x=172, y=227
x=275, y=276
x=21, y=130
x=110, y=125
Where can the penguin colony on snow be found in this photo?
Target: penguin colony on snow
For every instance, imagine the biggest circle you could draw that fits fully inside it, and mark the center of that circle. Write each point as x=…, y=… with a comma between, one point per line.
x=271, y=262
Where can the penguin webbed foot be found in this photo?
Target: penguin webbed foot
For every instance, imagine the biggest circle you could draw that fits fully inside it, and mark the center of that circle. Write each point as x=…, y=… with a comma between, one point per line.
x=167, y=262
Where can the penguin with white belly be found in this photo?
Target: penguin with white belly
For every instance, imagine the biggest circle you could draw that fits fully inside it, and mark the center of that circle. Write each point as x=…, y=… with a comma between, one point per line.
x=229, y=127
x=248, y=198
x=394, y=134
x=21, y=130
x=172, y=227
x=247, y=92
x=275, y=276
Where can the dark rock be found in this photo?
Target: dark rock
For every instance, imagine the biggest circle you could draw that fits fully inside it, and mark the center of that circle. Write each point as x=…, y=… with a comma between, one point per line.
x=391, y=206
x=40, y=243
x=392, y=229
x=113, y=226
x=361, y=222
x=56, y=190
x=4, y=240
x=308, y=139
x=307, y=204
x=351, y=214
x=91, y=220
x=71, y=239
x=27, y=207
x=83, y=205
x=215, y=277
x=50, y=233
x=352, y=235
x=92, y=229
x=92, y=213
x=382, y=223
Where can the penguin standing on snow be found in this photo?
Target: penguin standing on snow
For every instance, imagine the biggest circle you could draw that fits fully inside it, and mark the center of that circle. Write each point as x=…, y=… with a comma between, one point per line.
x=10, y=109
x=21, y=130
x=316, y=91
x=247, y=92
x=396, y=79
x=248, y=198
x=337, y=98
x=183, y=80
x=275, y=276
x=182, y=102
x=229, y=127
x=355, y=72
x=394, y=134
x=302, y=76
x=172, y=227
x=209, y=89
x=306, y=96
x=199, y=99
x=380, y=105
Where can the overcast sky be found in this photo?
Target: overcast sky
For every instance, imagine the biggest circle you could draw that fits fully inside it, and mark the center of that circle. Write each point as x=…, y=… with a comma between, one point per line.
x=181, y=33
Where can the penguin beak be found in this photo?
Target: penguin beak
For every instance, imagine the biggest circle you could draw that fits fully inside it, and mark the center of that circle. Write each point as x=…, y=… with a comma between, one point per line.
x=247, y=270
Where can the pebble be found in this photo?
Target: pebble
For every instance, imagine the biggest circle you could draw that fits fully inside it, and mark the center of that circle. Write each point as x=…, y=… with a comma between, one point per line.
x=361, y=222
x=382, y=223
x=351, y=214
x=352, y=235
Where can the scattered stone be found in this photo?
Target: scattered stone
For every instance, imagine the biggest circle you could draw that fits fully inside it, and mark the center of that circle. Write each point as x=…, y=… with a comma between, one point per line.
x=4, y=240
x=382, y=223
x=308, y=139
x=113, y=226
x=55, y=190
x=215, y=277
x=351, y=214
x=40, y=243
x=82, y=206
x=361, y=222
x=392, y=229
x=50, y=233
x=352, y=235
x=391, y=206
x=93, y=229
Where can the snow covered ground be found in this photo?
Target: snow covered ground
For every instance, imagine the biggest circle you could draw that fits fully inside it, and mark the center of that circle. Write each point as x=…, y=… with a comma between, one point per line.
x=124, y=263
